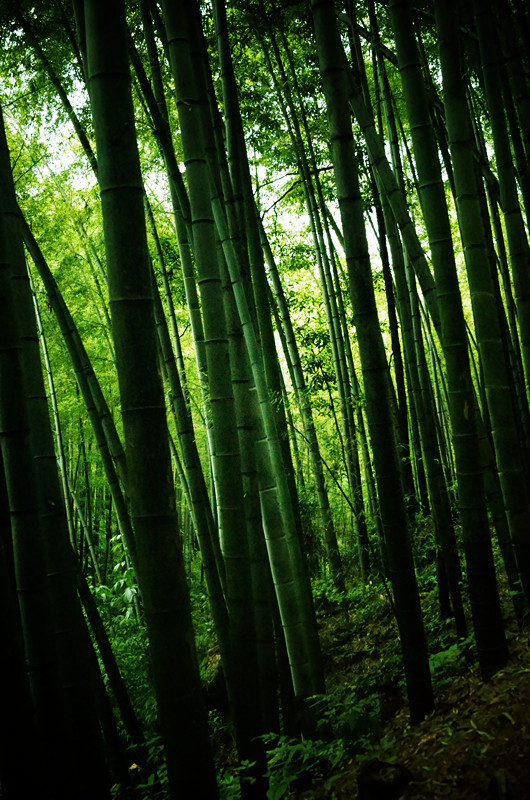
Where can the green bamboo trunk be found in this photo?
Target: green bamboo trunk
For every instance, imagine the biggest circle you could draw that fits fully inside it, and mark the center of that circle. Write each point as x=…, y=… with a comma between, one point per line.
x=519, y=249
x=498, y=396
x=161, y=573
x=375, y=370
x=487, y=617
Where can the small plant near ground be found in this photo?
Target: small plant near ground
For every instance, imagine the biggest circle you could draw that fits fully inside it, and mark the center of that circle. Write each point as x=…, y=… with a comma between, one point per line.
x=147, y=779
x=344, y=727
x=452, y=661
x=326, y=593
x=353, y=721
x=230, y=781
x=297, y=764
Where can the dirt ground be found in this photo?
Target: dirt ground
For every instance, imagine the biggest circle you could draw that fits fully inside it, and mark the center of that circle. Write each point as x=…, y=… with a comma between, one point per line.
x=474, y=746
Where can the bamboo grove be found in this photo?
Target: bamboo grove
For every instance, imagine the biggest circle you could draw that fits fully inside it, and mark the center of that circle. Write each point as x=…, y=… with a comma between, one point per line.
x=265, y=303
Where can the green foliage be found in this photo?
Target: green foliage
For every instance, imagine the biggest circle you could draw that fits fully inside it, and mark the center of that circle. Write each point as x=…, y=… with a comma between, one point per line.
x=446, y=664
x=295, y=764
x=230, y=781
x=354, y=722
x=150, y=778
x=326, y=593
x=116, y=605
x=202, y=620
x=345, y=727
x=117, y=600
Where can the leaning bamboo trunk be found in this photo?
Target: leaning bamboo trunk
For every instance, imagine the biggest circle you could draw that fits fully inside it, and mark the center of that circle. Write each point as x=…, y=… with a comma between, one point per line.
x=161, y=574
x=498, y=396
x=487, y=617
x=373, y=361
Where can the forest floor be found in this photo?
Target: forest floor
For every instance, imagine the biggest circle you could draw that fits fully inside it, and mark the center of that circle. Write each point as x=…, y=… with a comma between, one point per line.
x=476, y=743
